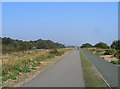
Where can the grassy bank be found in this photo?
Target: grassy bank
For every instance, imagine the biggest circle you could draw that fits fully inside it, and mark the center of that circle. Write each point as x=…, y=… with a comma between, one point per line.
x=18, y=63
x=92, y=78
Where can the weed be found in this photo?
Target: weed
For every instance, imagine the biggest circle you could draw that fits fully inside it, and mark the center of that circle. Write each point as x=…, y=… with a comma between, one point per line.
x=13, y=77
x=17, y=67
x=5, y=78
x=25, y=69
x=33, y=68
x=50, y=56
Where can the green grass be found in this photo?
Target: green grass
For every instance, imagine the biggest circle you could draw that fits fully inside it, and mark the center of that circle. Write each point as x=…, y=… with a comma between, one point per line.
x=92, y=78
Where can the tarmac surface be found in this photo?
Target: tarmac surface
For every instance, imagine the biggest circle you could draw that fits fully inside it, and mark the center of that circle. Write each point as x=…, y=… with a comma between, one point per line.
x=65, y=73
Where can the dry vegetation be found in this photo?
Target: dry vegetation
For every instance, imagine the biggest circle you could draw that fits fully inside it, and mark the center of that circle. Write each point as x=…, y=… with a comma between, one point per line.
x=18, y=63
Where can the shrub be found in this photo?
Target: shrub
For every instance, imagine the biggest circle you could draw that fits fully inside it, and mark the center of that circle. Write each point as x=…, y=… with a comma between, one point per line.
x=5, y=78
x=50, y=56
x=98, y=51
x=16, y=72
x=33, y=68
x=62, y=52
x=116, y=45
x=108, y=52
x=114, y=62
x=25, y=69
x=26, y=61
x=117, y=54
x=4, y=71
x=35, y=64
x=37, y=60
x=55, y=52
x=17, y=67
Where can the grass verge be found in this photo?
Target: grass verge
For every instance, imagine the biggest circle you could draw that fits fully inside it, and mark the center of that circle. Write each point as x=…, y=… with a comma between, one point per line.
x=91, y=76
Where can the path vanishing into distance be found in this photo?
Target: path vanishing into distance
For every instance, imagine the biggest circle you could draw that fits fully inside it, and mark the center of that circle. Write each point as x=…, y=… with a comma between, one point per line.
x=65, y=73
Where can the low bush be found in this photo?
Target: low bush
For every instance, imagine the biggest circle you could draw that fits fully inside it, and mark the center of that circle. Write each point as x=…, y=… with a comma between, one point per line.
x=109, y=52
x=33, y=68
x=98, y=51
x=26, y=61
x=5, y=78
x=17, y=67
x=116, y=62
x=50, y=56
x=25, y=69
x=117, y=54
x=55, y=52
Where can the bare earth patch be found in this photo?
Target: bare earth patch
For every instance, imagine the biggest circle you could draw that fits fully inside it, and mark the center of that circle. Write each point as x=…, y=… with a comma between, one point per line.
x=109, y=58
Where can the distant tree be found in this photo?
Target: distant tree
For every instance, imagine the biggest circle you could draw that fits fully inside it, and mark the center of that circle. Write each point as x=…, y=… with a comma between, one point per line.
x=41, y=44
x=51, y=44
x=101, y=45
x=11, y=45
x=86, y=45
x=58, y=45
x=7, y=40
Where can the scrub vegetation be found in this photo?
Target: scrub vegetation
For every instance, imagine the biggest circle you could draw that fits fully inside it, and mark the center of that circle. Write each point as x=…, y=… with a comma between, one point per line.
x=24, y=56
x=108, y=53
x=16, y=63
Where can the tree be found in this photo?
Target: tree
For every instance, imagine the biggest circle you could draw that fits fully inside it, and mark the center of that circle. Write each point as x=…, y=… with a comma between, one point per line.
x=116, y=45
x=101, y=45
x=41, y=44
x=86, y=45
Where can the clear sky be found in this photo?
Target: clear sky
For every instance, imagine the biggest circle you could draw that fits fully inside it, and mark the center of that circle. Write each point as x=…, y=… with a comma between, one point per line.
x=70, y=23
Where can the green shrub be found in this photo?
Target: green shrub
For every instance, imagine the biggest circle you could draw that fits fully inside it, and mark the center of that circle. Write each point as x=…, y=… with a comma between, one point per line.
x=98, y=51
x=42, y=59
x=118, y=61
x=114, y=62
x=25, y=69
x=16, y=72
x=37, y=60
x=33, y=68
x=108, y=52
x=13, y=77
x=35, y=64
x=5, y=78
x=117, y=54
x=25, y=61
x=62, y=52
x=50, y=56
x=4, y=71
x=17, y=67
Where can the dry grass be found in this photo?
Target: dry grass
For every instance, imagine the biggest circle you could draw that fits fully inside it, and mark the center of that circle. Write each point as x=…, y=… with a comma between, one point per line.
x=18, y=57
x=19, y=62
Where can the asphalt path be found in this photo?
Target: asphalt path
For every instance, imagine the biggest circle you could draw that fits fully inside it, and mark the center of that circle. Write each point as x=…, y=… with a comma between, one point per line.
x=65, y=73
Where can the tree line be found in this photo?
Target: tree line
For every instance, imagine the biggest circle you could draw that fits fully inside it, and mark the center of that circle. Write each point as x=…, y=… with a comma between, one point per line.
x=114, y=48
x=10, y=45
x=115, y=45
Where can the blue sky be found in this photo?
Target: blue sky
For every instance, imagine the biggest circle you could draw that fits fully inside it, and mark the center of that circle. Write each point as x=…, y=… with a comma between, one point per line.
x=70, y=23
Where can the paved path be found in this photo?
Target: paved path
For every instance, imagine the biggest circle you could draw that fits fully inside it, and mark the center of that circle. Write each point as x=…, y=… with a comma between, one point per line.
x=65, y=73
